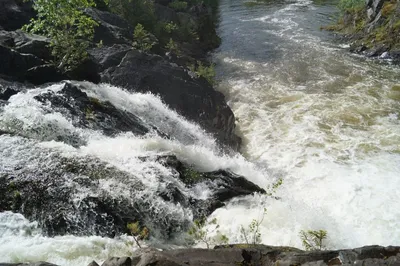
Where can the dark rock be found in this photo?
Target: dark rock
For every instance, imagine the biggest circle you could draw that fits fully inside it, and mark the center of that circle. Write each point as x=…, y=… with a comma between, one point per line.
x=86, y=70
x=43, y=74
x=6, y=93
x=67, y=195
x=16, y=64
x=112, y=29
x=108, y=57
x=165, y=14
x=260, y=255
x=10, y=88
x=14, y=14
x=124, y=261
x=32, y=44
x=193, y=98
x=86, y=112
x=93, y=263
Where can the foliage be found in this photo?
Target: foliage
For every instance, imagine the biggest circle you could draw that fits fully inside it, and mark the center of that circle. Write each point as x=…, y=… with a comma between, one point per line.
x=69, y=29
x=142, y=39
x=139, y=233
x=347, y=5
x=271, y=189
x=172, y=47
x=178, y=5
x=207, y=72
x=252, y=234
x=313, y=240
x=170, y=27
x=135, y=12
x=200, y=232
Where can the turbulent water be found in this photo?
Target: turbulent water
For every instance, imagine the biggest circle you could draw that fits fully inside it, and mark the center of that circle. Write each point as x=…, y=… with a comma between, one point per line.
x=325, y=122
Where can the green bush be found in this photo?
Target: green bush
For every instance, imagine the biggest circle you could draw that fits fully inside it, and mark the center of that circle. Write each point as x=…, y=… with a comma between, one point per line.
x=139, y=233
x=178, y=5
x=135, y=12
x=348, y=5
x=172, y=47
x=313, y=240
x=142, y=39
x=207, y=72
x=201, y=231
x=68, y=28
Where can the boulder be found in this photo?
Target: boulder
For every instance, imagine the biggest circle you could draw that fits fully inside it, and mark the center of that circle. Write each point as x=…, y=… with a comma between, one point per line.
x=14, y=14
x=112, y=28
x=86, y=112
x=193, y=98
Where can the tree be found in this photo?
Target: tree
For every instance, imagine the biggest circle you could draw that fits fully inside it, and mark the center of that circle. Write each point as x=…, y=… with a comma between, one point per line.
x=313, y=240
x=202, y=230
x=69, y=29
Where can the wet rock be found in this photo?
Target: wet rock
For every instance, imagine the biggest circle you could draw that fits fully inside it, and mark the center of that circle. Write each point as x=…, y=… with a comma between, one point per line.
x=124, y=261
x=84, y=196
x=193, y=98
x=261, y=255
x=10, y=88
x=93, y=263
x=91, y=113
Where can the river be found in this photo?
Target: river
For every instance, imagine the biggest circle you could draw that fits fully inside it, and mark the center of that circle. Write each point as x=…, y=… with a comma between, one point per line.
x=324, y=121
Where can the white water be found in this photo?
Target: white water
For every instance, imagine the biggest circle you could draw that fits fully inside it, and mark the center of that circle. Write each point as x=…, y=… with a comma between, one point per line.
x=21, y=241
x=324, y=121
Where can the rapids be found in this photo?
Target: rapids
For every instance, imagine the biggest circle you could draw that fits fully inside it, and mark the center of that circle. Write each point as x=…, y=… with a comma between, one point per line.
x=324, y=121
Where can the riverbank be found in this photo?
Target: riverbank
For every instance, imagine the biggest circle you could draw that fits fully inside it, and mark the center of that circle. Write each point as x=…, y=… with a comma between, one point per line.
x=372, y=28
x=258, y=255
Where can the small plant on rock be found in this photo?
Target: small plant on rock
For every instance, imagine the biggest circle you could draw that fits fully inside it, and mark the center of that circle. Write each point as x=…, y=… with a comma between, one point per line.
x=139, y=233
x=313, y=240
x=207, y=72
x=200, y=232
x=142, y=39
x=252, y=234
x=172, y=47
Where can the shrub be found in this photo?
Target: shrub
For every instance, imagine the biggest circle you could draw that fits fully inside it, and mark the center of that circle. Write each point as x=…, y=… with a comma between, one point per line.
x=135, y=12
x=142, y=39
x=207, y=72
x=348, y=5
x=200, y=232
x=313, y=240
x=172, y=47
x=139, y=233
x=252, y=234
x=178, y=5
x=68, y=28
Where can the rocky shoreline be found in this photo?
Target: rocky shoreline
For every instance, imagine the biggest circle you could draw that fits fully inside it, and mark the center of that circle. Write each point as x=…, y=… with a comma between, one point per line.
x=372, y=29
x=258, y=255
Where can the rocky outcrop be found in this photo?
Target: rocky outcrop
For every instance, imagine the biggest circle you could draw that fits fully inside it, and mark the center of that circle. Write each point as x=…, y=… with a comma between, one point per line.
x=26, y=58
x=261, y=255
x=69, y=196
x=193, y=98
x=373, y=30
x=14, y=14
x=257, y=255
